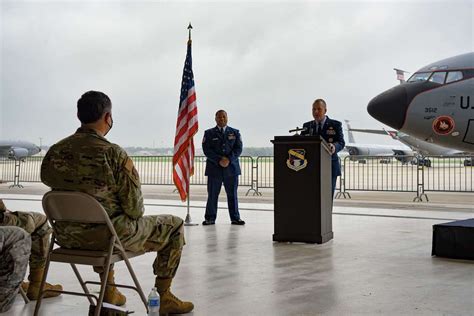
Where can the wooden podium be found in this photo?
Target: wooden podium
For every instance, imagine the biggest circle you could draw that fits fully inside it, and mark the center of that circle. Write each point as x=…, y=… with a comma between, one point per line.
x=302, y=193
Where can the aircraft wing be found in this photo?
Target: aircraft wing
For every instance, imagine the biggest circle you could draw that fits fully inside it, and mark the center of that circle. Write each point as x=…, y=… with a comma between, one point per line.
x=370, y=150
x=369, y=131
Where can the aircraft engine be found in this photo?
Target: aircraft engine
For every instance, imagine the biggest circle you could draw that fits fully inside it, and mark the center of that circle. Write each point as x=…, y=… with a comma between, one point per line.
x=17, y=153
x=360, y=151
x=353, y=151
x=402, y=156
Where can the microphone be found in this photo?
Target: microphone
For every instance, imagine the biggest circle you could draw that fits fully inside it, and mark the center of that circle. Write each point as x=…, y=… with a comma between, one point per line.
x=297, y=129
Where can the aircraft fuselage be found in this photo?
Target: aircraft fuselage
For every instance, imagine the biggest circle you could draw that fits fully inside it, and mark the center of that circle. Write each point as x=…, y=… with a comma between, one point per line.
x=436, y=104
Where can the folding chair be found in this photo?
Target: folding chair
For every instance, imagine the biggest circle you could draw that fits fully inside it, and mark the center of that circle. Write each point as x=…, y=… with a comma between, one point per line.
x=77, y=207
x=23, y=294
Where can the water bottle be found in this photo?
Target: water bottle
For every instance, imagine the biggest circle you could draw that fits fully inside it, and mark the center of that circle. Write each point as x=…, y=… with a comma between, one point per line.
x=153, y=303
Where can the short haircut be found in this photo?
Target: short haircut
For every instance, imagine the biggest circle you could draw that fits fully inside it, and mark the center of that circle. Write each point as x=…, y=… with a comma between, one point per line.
x=320, y=100
x=92, y=105
x=219, y=111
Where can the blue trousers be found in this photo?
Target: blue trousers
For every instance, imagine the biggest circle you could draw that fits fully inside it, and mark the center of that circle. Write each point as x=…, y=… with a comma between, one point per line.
x=334, y=181
x=214, y=186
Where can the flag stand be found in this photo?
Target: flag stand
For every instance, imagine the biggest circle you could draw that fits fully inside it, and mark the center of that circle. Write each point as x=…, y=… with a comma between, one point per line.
x=188, y=221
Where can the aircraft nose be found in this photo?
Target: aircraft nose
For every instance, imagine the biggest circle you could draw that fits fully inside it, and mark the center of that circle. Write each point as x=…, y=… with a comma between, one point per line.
x=390, y=107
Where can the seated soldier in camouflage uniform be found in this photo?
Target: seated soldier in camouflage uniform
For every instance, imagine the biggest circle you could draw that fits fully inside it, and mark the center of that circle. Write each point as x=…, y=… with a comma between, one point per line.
x=15, y=246
x=87, y=162
x=37, y=226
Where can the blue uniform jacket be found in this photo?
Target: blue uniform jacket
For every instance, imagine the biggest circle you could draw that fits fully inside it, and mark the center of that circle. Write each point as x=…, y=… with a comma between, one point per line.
x=331, y=133
x=217, y=145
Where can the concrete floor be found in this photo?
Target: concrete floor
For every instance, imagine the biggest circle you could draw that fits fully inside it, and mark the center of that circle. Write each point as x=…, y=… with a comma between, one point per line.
x=378, y=263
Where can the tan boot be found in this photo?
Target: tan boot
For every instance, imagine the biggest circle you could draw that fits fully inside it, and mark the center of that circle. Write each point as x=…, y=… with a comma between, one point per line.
x=33, y=288
x=112, y=294
x=168, y=302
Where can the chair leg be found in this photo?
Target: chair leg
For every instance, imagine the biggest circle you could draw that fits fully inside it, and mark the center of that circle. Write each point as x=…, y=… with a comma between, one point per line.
x=23, y=294
x=84, y=287
x=135, y=280
x=43, y=280
x=103, y=285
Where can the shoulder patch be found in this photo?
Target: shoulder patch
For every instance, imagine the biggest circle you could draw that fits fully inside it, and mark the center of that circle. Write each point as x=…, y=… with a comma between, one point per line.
x=129, y=165
x=132, y=172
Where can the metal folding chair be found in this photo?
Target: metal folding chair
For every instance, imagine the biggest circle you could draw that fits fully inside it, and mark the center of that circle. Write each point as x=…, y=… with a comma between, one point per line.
x=23, y=294
x=77, y=207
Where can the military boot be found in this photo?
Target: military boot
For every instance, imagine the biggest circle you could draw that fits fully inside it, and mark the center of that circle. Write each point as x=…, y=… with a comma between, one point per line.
x=168, y=302
x=33, y=288
x=112, y=294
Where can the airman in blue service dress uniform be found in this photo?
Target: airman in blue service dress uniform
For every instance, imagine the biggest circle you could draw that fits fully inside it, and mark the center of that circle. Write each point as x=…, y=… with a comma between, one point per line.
x=331, y=131
x=222, y=146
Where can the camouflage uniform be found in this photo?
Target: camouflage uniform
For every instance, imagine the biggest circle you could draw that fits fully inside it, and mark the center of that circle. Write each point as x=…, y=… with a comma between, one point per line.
x=36, y=225
x=15, y=245
x=87, y=162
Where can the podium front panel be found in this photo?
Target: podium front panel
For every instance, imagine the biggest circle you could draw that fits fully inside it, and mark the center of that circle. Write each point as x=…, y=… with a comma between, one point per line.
x=302, y=193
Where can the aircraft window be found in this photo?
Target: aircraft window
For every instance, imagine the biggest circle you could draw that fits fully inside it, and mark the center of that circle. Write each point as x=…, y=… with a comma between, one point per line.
x=454, y=76
x=419, y=76
x=468, y=73
x=438, y=77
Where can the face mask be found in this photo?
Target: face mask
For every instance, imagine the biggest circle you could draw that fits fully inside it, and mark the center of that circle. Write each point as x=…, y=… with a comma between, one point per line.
x=110, y=125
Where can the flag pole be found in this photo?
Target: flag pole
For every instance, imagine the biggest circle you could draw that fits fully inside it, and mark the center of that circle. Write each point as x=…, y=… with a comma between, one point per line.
x=188, y=221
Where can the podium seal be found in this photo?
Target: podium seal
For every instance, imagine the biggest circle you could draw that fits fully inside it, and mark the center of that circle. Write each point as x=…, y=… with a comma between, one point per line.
x=296, y=160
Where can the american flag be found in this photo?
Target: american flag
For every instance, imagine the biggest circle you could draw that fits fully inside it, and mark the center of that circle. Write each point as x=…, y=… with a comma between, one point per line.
x=186, y=128
x=400, y=74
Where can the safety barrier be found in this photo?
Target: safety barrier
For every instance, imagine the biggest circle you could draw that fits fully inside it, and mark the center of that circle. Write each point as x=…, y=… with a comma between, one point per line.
x=406, y=174
x=153, y=170
x=359, y=173
x=448, y=174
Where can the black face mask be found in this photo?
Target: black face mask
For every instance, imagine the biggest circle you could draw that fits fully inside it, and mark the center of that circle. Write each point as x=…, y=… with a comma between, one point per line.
x=110, y=125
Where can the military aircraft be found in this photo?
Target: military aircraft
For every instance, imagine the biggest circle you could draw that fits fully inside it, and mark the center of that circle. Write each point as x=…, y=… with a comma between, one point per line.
x=434, y=104
x=354, y=148
x=18, y=150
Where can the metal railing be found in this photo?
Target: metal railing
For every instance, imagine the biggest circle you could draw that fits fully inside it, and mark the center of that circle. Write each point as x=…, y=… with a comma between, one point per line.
x=362, y=173
x=153, y=170
x=359, y=173
x=407, y=174
x=449, y=174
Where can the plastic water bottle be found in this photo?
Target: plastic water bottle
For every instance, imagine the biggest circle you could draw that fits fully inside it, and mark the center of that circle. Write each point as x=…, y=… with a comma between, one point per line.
x=153, y=303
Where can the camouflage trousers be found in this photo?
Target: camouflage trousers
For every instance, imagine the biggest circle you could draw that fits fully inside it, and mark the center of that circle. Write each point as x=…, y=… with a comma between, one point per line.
x=15, y=245
x=161, y=233
x=37, y=226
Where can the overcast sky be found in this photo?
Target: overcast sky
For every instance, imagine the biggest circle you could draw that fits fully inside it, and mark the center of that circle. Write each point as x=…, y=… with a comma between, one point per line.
x=264, y=62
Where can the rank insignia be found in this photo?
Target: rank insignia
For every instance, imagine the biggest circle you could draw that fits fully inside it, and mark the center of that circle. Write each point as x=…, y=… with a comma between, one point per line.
x=296, y=160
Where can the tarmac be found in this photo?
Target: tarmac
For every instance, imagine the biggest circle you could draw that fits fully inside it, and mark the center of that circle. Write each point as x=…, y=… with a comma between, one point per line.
x=379, y=261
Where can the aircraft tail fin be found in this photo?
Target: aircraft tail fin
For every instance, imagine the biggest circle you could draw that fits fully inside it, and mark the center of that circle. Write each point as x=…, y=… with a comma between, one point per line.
x=349, y=132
